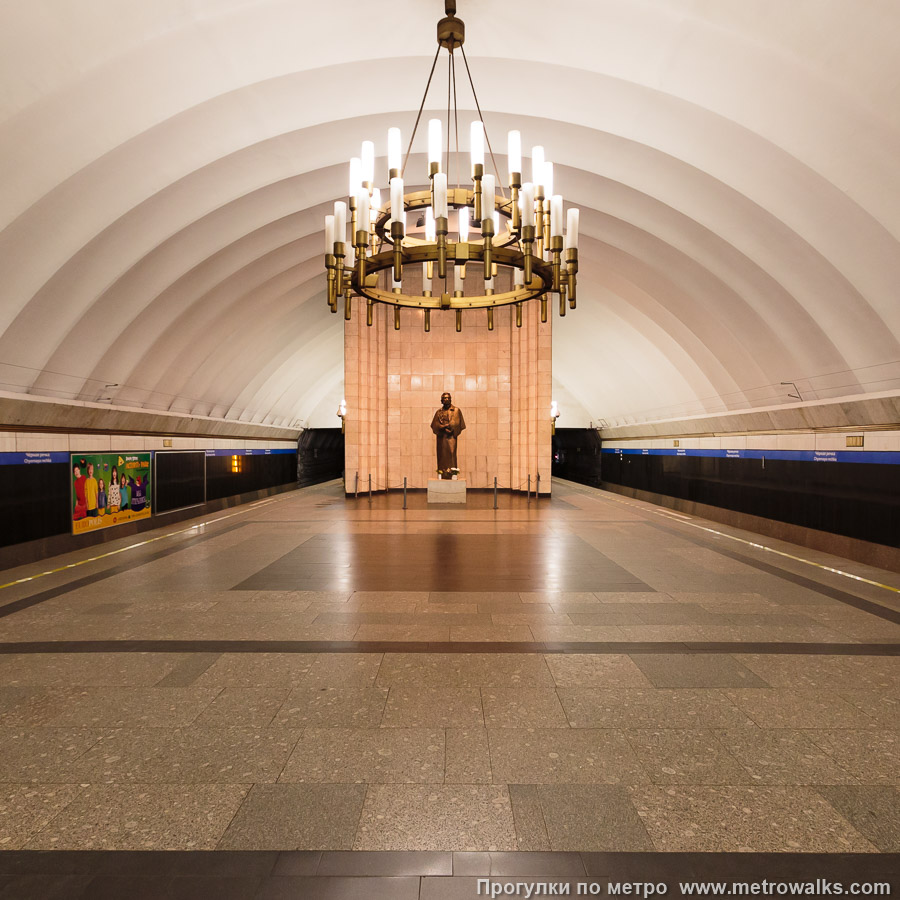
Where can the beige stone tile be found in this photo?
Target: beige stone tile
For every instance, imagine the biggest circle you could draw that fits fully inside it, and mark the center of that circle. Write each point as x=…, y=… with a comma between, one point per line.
x=26, y=809
x=872, y=756
x=521, y=707
x=258, y=670
x=356, y=707
x=343, y=670
x=44, y=755
x=87, y=669
x=681, y=756
x=589, y=707
x=468, y=756
x=367, y=755
x=143, y=817
x=784, y=708
x=237, y=706
x=446, y=817
x=466, y=669
x=596, y=670
x=412, y=706
x=578, y=633
x=563, y=756
x=426, y=633
x=707, y=818
x=489, y=633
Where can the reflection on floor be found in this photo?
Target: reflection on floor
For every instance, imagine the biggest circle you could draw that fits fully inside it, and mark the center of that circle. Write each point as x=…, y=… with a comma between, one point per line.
x=311, y=673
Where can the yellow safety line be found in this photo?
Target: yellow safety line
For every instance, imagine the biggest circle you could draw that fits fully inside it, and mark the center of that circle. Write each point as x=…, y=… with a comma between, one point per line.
x=169, y=534
x=675, y=517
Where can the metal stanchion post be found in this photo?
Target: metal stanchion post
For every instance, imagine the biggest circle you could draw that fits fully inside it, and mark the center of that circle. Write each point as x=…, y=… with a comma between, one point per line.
x=537, y=491
x=404, y=492
x=495, y=492
x=529, y=487
x=356, y=488
x=370, y=487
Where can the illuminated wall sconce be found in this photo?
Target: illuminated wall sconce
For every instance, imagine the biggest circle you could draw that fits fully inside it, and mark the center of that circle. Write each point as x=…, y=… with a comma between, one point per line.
x=237, y=464
x=342, y=413
x=554, y=415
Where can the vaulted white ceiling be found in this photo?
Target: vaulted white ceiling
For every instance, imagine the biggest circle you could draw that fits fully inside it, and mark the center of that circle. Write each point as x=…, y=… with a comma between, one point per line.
x=166, y=168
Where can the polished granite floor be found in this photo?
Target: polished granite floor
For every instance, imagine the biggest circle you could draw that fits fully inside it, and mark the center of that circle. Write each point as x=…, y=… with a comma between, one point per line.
x=584, y=673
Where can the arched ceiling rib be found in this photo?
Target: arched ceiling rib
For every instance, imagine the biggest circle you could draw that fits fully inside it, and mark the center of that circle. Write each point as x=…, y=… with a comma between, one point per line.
x=172, y=166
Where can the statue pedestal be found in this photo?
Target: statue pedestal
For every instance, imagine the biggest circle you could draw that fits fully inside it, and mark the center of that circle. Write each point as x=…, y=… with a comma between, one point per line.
x=441, y=491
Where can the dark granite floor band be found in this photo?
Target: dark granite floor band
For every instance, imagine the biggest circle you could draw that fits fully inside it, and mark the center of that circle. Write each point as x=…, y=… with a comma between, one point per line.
x=869, y=606
x=610, y=647
x=87, y=580
x=407, y=875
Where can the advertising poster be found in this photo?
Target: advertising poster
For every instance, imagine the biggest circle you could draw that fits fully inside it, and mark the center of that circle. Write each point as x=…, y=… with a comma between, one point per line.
x=109, y=489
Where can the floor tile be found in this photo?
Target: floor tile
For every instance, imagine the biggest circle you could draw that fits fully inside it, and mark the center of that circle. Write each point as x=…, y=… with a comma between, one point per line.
x=48, y=755
x=468, y=757
x=596, y=670
x=478, y=633
x=781, y=756
x=560, y=756
x=520, y=707
x=445, y=817
x=361, y=755
x=383, y=863
x=296, y=817
x=593, y=817
x=784, y=708
x=356, y=707
x=872, y=756
x=531, y=831
x=135, y=707
x=874, y=811
x=238, y=755
x=678, y=756
x=26, y=809
x=343, y=670
x=143, y=817
x=236, y=706
x=258, y=670
x=466, y=669
x=87, y=669
x=692, y=818
x=588, y=707
x=672, y=670
x=409, y=706
x=826, y=672
x=436, y=633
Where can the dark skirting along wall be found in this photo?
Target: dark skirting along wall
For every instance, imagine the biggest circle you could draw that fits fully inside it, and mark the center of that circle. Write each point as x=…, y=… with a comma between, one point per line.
x=320, y=457
x=576, y=455
x=858, y=500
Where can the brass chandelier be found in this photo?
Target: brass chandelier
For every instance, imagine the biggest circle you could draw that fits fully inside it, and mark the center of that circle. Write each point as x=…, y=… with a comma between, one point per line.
x=521, y=235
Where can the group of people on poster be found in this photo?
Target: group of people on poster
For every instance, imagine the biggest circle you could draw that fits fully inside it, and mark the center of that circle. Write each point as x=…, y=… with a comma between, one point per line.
x=100, y=490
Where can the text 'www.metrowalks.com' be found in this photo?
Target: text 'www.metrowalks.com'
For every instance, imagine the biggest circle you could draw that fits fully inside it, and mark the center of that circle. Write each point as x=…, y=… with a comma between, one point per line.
x=819, y=887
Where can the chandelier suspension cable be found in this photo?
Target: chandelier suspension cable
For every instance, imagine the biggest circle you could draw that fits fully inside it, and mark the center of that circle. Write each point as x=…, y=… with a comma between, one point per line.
x=480, y=116
x=412, y=137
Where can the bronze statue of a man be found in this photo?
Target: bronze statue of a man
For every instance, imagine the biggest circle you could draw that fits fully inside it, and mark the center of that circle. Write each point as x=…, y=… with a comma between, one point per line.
x=447, y=423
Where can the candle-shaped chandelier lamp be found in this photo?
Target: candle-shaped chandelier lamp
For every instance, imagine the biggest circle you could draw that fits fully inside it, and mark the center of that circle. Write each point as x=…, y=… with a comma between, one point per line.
x=522, y=233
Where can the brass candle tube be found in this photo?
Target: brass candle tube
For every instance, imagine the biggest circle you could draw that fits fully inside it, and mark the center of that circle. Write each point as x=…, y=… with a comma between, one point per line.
x=459, y=320
x=396, y=318
x=478, y=172
x=428, y=320
x=441, y=227
x=348, y=307
x=562, y=301
x=556, y=246
x=539, y=222
x=515, y=183
x=353, y=215
x=362, y=244
x=544, y=308
x=397, y=238
x=527, y=242
x=370, y=310
x=571, y=272
x=487, y=232
x=490, y=313
x=518, y=315
x=331, y=293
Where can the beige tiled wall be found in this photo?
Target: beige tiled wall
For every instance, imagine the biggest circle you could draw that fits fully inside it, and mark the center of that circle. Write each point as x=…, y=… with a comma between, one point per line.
x=500, y=379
